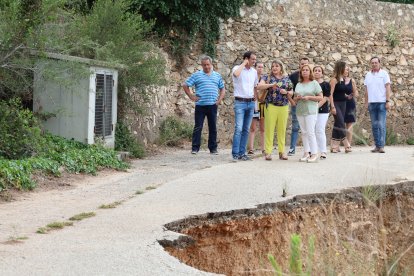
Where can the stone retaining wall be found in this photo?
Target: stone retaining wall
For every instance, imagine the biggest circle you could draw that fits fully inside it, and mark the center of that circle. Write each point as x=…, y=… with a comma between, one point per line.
x=325, y=31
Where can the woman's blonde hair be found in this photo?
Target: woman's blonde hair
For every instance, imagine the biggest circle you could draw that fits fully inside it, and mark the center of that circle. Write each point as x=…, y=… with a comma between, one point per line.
x=310, y=73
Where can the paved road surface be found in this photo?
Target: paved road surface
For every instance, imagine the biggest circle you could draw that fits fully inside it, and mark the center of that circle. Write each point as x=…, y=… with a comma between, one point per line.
x=123, y=241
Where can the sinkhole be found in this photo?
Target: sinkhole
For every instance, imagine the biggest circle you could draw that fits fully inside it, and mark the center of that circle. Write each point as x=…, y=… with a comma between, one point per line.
x=359, y=231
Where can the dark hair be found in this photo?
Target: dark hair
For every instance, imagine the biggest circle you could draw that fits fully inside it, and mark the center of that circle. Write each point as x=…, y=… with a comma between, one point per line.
x=248, y=54
x=339, y=69
x=375, y=58
x=304, y=58
x=318, y=66
x=310, y=73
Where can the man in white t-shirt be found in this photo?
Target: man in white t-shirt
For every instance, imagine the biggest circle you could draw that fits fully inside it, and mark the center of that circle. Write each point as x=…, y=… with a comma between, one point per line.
x=377, y=100
x=244, y=81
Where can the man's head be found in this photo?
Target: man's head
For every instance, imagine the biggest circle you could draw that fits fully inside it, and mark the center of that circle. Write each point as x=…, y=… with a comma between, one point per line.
x=375, y=63
x=303, y=61
x=251, y=57
x=207, y=64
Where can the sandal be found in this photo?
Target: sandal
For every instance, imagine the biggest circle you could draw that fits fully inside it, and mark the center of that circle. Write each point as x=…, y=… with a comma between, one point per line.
x=335, y=150
x=268, y=157
x=348, y=149
x=250, y=152
x=282, y=156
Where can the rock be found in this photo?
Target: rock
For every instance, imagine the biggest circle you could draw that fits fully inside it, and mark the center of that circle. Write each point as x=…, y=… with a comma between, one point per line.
x=336, y=56
x=403, y=61
x=353, y=59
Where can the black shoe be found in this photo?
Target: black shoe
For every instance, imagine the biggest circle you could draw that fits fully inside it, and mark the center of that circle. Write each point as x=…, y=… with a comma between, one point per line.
x=245, y=158
x=291, y=152
x=214, y=152
x=194, y=151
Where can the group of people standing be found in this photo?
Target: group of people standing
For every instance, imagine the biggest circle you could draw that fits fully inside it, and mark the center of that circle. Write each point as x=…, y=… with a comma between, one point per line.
x=264, y=99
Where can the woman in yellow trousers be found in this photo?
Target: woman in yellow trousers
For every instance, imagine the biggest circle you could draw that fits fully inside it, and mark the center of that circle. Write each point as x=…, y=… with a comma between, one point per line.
x=279, y=90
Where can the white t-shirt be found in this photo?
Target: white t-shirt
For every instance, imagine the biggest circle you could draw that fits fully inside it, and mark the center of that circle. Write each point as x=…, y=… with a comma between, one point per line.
x=375, y=83
x=246, y=82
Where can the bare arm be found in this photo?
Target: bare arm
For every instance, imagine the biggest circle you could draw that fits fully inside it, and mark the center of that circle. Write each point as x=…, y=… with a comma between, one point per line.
x=190, y=94
x=332, y=83
x=366, y=97
x=221, y=96
x=316, y=98
x=354, y=89
x=239, y=69
x=388, y=95
x=323, y=101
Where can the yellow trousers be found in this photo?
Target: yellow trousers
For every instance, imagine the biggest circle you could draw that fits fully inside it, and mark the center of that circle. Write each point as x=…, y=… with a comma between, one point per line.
x=275, y=117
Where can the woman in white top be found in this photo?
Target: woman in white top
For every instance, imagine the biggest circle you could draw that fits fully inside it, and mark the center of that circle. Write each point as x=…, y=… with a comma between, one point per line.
x=308, y=93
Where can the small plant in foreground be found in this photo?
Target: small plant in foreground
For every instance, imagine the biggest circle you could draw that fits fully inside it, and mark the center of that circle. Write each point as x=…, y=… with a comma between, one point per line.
x=111, y=205
x=295, y=260
x=372, y=193
x=139, y=192
x=393, y=36
x=82, y=216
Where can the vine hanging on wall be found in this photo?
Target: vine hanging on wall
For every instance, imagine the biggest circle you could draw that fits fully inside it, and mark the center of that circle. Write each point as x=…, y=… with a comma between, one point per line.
x=180, y=21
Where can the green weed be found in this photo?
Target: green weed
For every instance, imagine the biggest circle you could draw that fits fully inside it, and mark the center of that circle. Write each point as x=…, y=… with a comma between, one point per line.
x=410, y=141
x=82, y=216
x=111, y=205
x=139, y=192
x=391, y=137
x=150, y=188
x=59, y=224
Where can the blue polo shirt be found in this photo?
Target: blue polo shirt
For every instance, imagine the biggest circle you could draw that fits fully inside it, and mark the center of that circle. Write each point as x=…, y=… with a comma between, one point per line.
x=206, y=86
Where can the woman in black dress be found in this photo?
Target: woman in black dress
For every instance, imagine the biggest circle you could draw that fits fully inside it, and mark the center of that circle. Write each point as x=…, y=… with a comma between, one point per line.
x=339, y=97
x=350, y=110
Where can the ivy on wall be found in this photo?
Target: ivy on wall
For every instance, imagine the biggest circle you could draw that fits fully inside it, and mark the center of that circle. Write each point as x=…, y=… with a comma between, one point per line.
x=180, y=21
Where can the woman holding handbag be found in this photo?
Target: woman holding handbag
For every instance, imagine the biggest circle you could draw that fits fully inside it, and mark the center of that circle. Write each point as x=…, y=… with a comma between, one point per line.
x=276, y=108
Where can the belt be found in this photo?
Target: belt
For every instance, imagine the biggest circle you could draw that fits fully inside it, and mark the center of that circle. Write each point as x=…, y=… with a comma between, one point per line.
x=244, y=99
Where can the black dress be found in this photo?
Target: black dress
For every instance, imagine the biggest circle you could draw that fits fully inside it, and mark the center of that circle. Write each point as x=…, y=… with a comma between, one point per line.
x=350, y=110
x=339, y=97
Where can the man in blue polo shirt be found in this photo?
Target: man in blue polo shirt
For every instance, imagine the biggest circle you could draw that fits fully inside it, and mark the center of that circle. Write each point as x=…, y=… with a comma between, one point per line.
x=207, y=85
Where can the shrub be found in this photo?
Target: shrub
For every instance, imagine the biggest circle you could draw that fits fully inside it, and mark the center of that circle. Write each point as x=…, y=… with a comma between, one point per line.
x=58, y=152
x=124, y=141
x=410, y=141
x=172, y=131
x=391, y=137
x=20, y=133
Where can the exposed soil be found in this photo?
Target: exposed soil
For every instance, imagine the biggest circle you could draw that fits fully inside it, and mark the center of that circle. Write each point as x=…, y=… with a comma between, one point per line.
x=353, y=235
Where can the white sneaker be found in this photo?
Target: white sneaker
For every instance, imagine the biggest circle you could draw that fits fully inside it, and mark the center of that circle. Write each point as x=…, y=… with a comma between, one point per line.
x=304, y=158
x=313, y=158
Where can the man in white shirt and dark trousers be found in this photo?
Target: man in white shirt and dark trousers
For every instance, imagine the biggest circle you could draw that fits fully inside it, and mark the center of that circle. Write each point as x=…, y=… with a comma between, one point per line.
x=244, y=81
x=377, y=100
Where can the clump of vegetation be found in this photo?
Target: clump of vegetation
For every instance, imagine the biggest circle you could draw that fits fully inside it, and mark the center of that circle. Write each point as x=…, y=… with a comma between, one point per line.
x=391, y=137
x=111, y=205
x=174, y=21
x=393, y=36
x=124, y=141
x=82, y=216
x=150, y=188
x=57, y=154
x=295, y=260
x=54, y=226
x=173, y=131
x=410, y=141
x=20, y=133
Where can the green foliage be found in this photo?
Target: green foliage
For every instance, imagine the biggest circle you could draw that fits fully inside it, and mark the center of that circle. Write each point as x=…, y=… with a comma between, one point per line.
x=82, y=216
x=20, y=133
x=391, y=137
x=124, y=141
x=393, y=36
x=180, y=21
x=410, y=141
x=295, y=259
x=58, y=152
x=172, y=131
